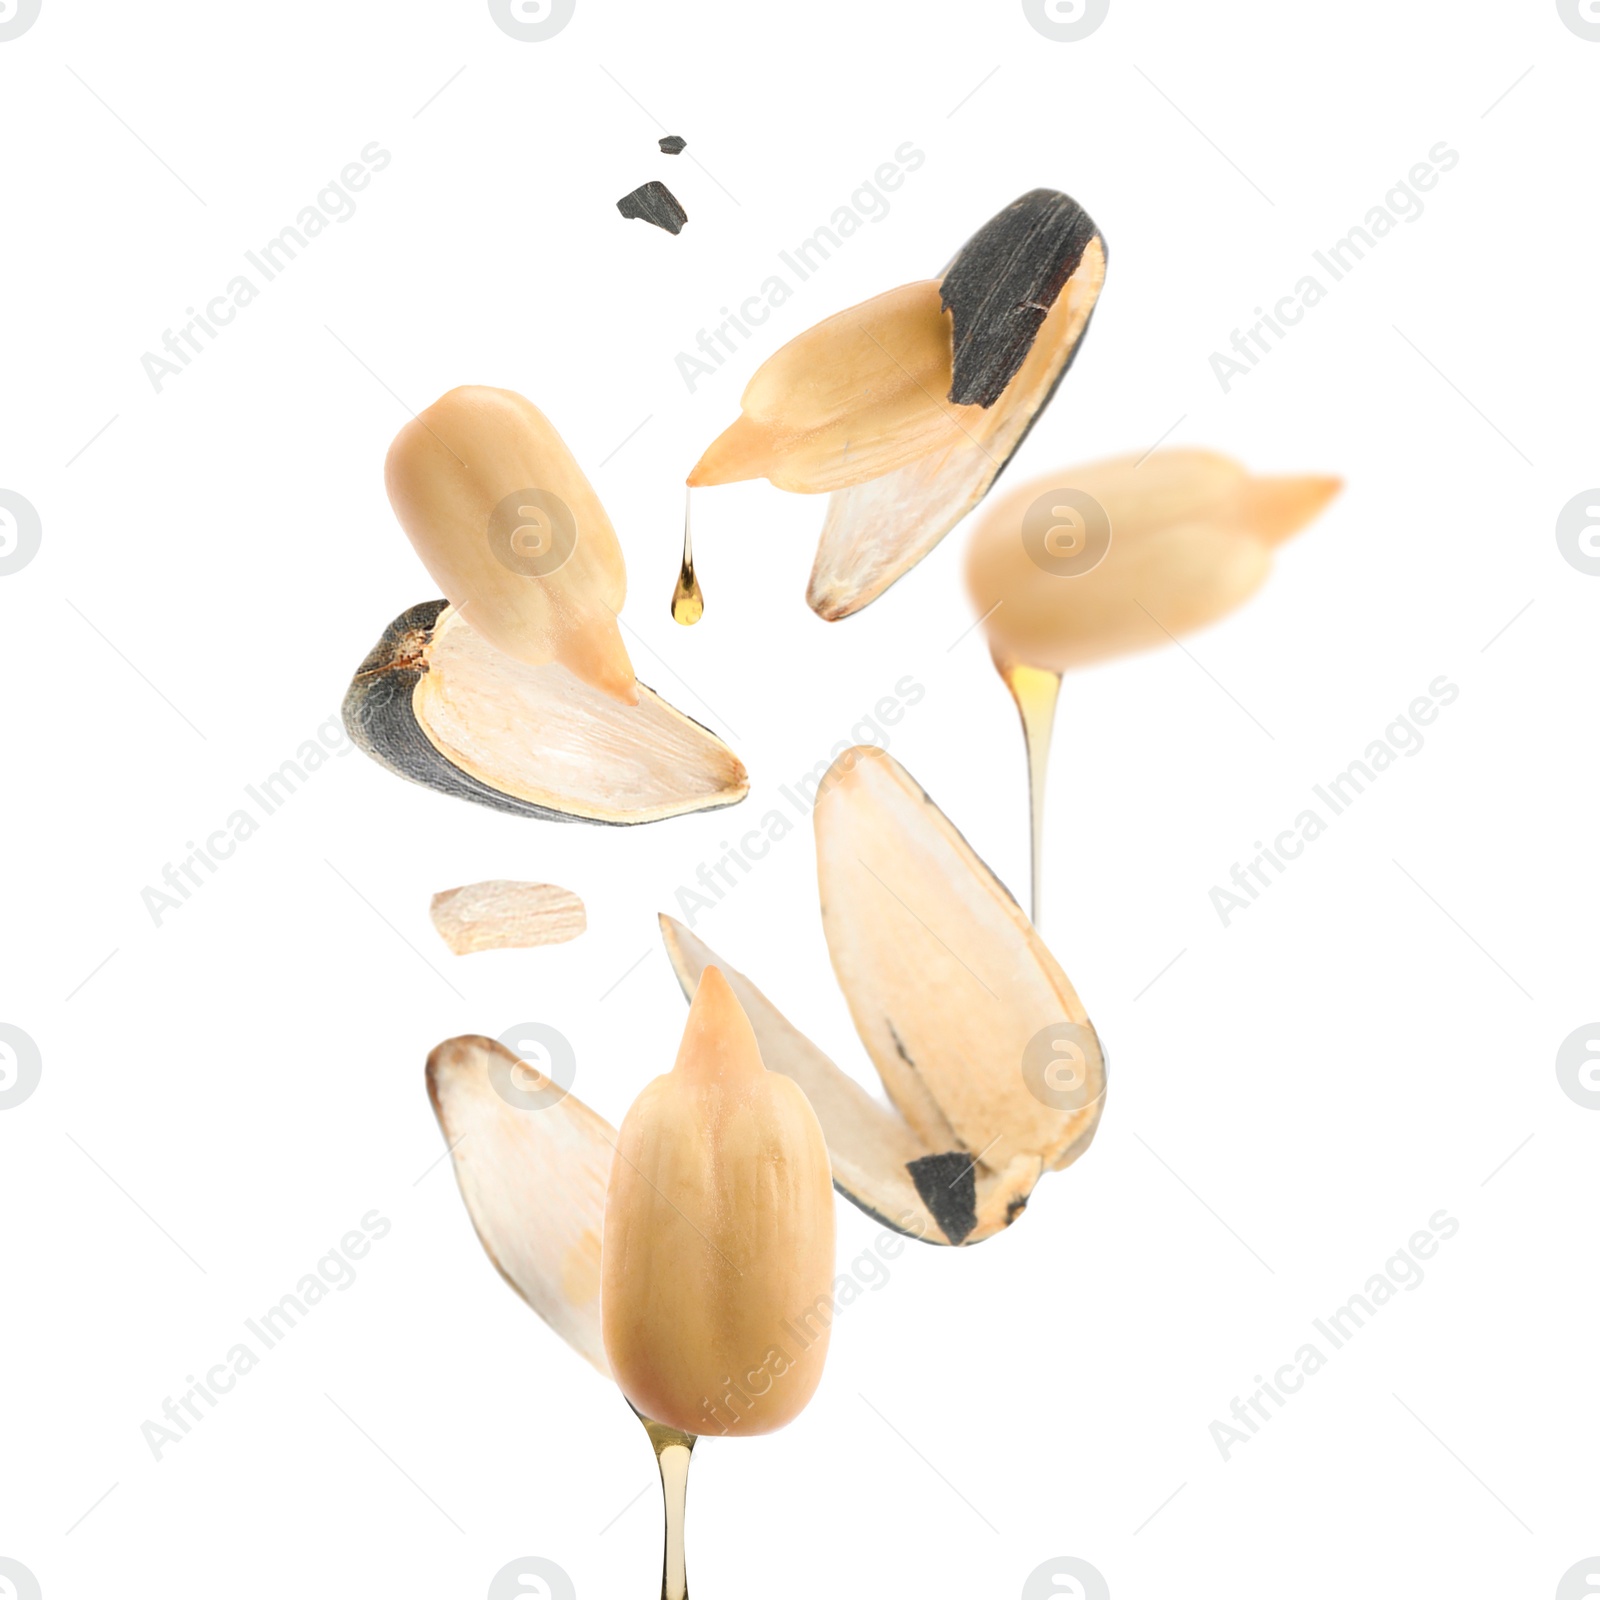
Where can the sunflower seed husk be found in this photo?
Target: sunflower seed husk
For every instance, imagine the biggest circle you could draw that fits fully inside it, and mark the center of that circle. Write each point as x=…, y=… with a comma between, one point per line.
x=879, y=1163
x=1001, y=286
x=875, y=532
x=502, y=915
x=436, y=703
x=951, y=989
x=995, y=1073
x=533, y=1178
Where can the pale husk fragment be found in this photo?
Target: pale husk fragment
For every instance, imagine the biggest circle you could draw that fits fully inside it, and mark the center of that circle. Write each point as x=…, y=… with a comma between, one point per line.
x=877, y=531
x=947, y=981
x=874, y=1150
x=541, y=733
x=534, y=1182
x=500, y=914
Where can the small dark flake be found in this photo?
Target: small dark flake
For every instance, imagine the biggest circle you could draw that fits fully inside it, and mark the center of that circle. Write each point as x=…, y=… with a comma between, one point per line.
x=654, y=202
x=673, y=144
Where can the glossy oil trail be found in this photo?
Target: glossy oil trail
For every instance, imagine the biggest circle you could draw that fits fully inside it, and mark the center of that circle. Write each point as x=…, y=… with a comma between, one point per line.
x=673, y=1449
x=1035, y=690
x=688, y=604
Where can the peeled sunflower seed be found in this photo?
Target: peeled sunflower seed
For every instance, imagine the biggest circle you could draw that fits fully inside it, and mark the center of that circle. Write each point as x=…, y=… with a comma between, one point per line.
x=861, y=394
x=501, y=915
x=508, y=526
x=908, y=406
x=436, y=703
x=1124, y=554
x=994, y=1070
x=533, y=1171
x=718, y=1240
x=878, y=1162
x=1041, y=252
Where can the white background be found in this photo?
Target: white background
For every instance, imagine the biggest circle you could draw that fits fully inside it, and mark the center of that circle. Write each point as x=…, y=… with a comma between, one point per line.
x=1292, y=1098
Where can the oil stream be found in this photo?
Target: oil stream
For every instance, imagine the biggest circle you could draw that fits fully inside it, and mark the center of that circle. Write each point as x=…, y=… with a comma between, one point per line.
x=673, y=1449
x=1035, y=689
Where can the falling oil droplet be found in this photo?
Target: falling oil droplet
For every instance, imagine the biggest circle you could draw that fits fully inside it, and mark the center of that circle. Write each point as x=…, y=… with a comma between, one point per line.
x=1035, y=689
x=673, y=1450
x=688, y=604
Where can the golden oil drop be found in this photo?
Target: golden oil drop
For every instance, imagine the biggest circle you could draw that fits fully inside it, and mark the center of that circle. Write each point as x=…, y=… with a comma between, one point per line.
x=1035, y=690
x=688, y=604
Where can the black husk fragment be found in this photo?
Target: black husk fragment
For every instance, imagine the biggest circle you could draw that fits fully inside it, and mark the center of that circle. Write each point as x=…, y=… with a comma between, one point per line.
x=948, y=1185
x=654, y=202
x=1002, y=284
x=673, y=144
